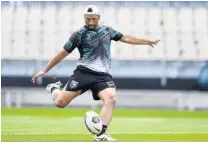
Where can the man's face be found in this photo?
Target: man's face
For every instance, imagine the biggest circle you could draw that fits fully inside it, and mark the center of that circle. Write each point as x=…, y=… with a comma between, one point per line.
x=91, y=21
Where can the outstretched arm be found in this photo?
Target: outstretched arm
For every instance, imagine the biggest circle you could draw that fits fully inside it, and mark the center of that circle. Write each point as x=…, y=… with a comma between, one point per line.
x=60, y=56
x=70, y=45
x=136, y=41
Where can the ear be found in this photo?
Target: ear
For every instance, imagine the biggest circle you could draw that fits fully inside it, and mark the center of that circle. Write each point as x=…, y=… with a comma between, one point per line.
x=98, y=17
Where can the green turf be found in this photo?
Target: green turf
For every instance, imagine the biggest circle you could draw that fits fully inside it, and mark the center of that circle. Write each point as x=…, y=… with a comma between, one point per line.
x=68, y=112
x=122, y=138
x=128, y=125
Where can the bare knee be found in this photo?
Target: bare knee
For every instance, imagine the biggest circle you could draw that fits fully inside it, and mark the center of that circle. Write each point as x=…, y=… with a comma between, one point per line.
x=60, y=103
x=64, y=98
x=110, y=101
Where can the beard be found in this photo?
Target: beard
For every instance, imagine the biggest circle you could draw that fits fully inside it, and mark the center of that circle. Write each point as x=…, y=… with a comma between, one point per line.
x=92, y=26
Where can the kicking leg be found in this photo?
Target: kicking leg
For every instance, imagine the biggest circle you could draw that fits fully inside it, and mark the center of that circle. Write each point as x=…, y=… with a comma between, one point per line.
x=61, y=98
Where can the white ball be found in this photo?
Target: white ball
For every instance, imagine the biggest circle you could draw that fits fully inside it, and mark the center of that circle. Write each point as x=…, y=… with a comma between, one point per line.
x=93, y=122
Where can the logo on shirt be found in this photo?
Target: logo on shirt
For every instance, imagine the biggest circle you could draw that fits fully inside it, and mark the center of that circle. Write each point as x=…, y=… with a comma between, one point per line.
x=73, y=84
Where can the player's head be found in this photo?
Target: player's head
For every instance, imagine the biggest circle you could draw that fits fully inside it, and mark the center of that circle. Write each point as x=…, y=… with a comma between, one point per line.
x=91, y=16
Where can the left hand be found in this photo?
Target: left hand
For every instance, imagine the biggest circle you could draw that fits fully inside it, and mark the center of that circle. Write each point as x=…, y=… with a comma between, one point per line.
x=153, y=43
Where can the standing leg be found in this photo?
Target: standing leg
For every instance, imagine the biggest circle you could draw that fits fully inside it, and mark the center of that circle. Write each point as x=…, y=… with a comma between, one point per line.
x=109, y=99
x=106, y=113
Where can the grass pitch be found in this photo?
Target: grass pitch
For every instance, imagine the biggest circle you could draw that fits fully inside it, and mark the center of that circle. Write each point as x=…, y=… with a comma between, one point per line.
x=128, y=125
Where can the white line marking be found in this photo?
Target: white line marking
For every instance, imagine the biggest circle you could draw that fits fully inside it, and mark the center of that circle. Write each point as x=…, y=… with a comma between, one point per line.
x=155, y=133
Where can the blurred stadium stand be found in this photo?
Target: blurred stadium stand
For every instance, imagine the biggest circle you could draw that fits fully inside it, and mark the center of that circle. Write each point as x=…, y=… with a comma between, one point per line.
x=33, y=32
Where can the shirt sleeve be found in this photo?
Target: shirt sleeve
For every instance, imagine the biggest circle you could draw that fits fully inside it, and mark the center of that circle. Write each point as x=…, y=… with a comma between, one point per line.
x=72, y=42
x=115, y=35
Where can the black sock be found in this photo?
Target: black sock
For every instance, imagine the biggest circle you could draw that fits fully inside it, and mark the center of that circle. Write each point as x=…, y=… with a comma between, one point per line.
x=53, y=88
x=103, y=130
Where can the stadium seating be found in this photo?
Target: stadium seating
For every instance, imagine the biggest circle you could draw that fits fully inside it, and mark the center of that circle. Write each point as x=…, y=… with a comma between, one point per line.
x=139, y=22
x=20, y=19
x=109, y=13
x=187, y=46
x=201, y=17
x=202, y=45
x=49, y=22
x=78, y=17
x=169, y=23
x=124, y=20
x=154, y=19
x=18, y=46
x=5, y=42
x=40, y=32
x=185, y=19
x=34, y=18
x=6, y=18
x=172, y=50
x=64, y=18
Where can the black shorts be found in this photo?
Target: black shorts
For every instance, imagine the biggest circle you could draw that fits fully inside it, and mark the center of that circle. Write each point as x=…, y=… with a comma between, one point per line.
x=85, y=79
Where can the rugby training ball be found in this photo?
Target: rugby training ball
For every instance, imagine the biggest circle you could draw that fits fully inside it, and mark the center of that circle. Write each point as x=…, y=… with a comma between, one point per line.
x=93, y=122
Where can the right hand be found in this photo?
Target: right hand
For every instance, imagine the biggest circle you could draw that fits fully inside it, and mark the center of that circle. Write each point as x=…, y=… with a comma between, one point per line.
x=41, y=73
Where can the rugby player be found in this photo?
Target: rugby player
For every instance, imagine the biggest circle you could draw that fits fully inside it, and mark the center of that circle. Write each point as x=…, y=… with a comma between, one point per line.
x=92, y=72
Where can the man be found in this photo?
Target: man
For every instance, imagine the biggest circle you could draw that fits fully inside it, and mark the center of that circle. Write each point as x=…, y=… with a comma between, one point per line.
x=92, y=72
